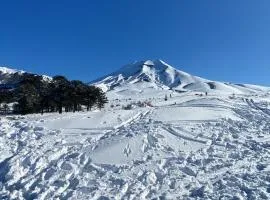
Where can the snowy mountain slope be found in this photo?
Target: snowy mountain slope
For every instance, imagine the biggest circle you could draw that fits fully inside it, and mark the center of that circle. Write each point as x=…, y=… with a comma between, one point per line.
x=14, y=76
x=10, y=76
x=6, y=70
x=159, y=75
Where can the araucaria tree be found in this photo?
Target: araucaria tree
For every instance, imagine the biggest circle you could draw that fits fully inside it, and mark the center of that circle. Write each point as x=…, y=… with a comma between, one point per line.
x=36, y=95
x=101, y=98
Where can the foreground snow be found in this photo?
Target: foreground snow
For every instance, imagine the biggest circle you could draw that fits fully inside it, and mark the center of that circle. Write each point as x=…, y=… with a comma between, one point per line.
x=189, y=147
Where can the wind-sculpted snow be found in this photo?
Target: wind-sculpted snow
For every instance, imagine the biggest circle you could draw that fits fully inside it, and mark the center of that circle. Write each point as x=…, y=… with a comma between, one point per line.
x=189, y=147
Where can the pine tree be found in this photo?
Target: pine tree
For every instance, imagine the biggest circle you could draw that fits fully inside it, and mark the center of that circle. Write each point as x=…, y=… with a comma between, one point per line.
x=27, y=98
x=5, y=108
x=90, y=97
x=6, y=96
x=101, y=98
x=45, y=97
x=35, y=95
x=60, y=91
x=77, y=91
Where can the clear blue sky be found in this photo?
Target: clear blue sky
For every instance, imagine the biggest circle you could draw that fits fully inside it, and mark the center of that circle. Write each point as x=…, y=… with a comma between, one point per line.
x=227, y=40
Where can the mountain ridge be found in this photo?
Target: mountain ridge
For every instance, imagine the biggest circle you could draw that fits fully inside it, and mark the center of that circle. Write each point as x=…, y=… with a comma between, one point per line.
x=159, y=74
x=11, y=76
x=155, y=74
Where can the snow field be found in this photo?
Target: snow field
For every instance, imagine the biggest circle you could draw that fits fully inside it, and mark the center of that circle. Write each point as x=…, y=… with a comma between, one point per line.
x=189, y=147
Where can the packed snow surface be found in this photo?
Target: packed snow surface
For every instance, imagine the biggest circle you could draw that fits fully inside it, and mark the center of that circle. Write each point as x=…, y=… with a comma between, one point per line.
x=188, y=147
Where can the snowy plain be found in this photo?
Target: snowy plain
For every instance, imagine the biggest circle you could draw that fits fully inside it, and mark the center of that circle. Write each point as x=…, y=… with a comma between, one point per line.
x=188, y=147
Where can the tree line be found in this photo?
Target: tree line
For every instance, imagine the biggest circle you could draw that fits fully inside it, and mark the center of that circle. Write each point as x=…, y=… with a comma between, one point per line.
x=35, y=95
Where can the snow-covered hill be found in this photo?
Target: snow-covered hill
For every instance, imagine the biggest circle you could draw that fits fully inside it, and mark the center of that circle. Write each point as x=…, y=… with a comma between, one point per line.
x=161, y=76
x=14, y=76
x=10, y=76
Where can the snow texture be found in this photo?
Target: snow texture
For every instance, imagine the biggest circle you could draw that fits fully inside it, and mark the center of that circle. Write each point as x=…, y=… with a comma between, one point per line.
x=192, y=146
x=189, y=147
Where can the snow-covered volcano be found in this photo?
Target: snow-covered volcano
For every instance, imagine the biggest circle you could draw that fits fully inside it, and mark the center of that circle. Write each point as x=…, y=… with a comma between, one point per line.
x=159, y=75
x=157, y=72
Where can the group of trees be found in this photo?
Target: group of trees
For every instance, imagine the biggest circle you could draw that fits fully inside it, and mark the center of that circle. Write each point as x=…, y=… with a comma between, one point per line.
x=35, y=95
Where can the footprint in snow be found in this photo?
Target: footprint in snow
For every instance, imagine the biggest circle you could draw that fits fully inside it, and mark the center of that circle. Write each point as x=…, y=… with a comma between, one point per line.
x=127, y=150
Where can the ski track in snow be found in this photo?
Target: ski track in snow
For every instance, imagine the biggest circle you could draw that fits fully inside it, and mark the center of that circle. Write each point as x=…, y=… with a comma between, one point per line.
x=141, y=156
